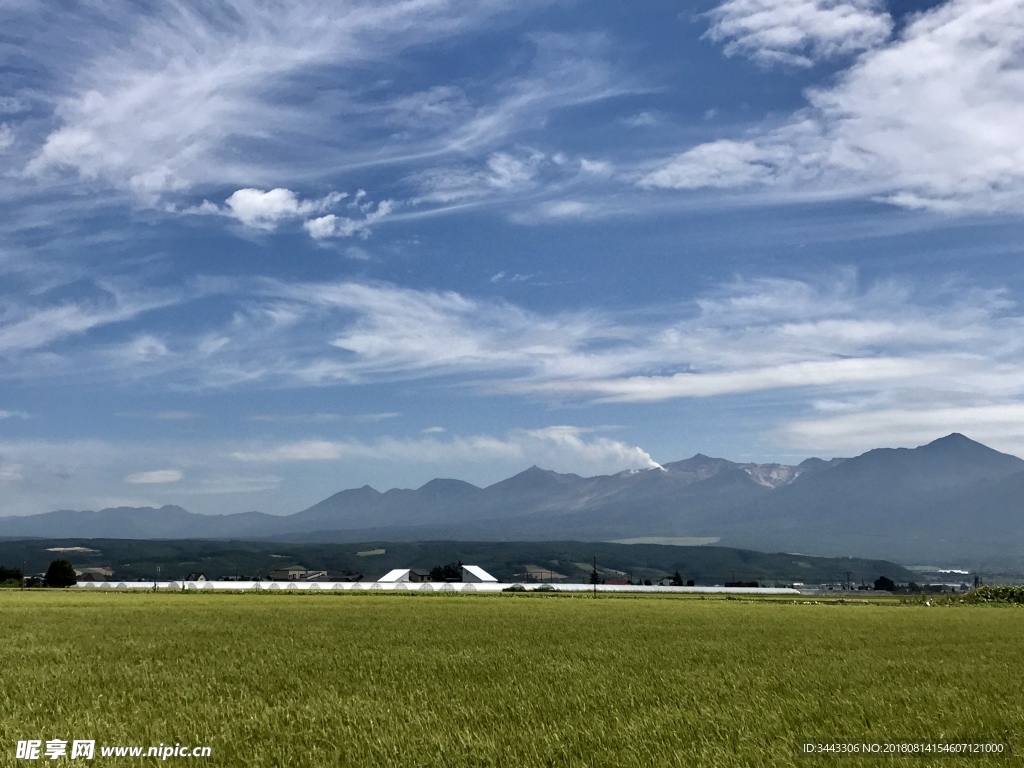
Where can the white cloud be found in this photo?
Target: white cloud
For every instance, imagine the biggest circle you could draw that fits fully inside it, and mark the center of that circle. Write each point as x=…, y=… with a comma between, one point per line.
x=799, y=32
x=930, y=120
x=154, y=477
x=175, y=415
x=303, y=450
x=324, y=226
x=501, y=172
x=6, y=137
x=596, y=167
x=506, y=172
x=505, y=277
x=176, y=101
x=144, y=348
x=564, y=448
x=566, y=71
x=227, y=483
x=375, y=417
x=265, y=210
x=12, y=415
x=841, y=373
x=720, y=164
x=25, y=326
x=11, y=105
x=829, y=339
x=343, y=226
x=11, y=473
x=1000, y=426
x=565, y=209
x=935, y=116
x=46, y=475
x=642, y=119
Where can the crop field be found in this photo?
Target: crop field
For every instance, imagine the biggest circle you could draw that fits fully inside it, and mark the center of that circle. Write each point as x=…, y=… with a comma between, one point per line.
x=505, y=680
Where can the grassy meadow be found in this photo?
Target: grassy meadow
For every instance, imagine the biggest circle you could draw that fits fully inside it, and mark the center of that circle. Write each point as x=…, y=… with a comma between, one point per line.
x=502, y=680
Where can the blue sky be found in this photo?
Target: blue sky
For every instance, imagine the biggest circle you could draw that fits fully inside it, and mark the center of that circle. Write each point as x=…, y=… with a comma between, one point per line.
x=255, y=253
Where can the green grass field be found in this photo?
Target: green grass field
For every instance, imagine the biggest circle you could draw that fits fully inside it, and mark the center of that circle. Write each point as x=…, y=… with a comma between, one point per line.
x=413, y=680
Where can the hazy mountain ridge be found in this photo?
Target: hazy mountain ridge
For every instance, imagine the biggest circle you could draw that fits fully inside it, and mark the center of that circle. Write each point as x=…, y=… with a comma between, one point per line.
x=950, y=498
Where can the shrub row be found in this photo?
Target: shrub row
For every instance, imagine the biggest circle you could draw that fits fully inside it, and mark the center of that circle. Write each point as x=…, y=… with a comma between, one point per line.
x=1009, y=594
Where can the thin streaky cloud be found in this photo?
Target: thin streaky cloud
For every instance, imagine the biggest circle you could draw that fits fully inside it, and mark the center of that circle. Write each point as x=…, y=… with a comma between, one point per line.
x=560, y=444
x=158, y=102
x=155, y=477
x=1000, y=425
x=748, y=336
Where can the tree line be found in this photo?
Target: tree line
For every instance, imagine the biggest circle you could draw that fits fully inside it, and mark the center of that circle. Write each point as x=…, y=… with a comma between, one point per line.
x=60, y=574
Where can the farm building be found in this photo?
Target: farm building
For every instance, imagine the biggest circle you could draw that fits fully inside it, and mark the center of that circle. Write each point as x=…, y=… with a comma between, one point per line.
x=94, y=574
x=296, y=573
x=470, y=574
x=405, y=574
x=476, y=575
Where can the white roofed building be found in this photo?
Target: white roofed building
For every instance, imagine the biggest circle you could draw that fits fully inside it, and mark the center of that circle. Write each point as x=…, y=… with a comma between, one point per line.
x=472, y=574
x=475, y=574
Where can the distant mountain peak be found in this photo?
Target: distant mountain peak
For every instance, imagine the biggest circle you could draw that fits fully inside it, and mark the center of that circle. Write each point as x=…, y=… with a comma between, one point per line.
x=956, y=440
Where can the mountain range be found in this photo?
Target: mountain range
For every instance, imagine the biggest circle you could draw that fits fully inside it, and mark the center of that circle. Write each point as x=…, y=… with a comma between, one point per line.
x=951, y=501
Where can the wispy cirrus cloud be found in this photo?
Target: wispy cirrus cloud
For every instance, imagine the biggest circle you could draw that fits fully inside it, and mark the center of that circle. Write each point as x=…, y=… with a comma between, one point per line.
x=502, y=172
x=161, y=101
x=31, y=325
x=217, y=110
x=827, y=339
x=179, y=100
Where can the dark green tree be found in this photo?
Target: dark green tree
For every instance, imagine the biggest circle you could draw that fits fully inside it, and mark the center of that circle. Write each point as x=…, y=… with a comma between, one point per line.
x=677, y=580
x=61, y=573
x=10, y=574
x=885, y=584
x=447, y=572
x=595, y=578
